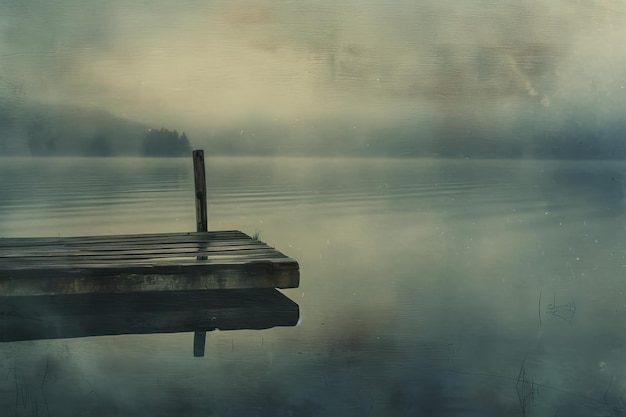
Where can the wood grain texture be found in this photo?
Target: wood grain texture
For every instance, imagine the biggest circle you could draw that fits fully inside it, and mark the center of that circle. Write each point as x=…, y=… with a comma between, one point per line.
x=151, y=262
x=199, y=177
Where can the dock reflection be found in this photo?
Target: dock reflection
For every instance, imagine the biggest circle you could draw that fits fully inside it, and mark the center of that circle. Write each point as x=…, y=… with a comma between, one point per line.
x=84, y=315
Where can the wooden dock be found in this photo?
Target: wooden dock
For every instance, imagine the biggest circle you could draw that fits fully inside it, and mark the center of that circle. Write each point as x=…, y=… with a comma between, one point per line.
x=137, y=263
x=60, y=287
x=200, y=260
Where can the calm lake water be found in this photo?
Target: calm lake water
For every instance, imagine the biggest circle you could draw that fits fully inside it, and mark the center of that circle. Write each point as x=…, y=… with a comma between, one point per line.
x=428, y=288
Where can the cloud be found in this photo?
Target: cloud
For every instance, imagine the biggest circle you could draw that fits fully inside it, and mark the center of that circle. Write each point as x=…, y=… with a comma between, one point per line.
x=201, y=64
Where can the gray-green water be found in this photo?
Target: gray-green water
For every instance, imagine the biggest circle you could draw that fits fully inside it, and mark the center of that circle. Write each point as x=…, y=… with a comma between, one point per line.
x=428, y=287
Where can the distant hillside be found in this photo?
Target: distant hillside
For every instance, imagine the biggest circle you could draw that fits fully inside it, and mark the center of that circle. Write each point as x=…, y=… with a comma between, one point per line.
x=45, y=130
x=564, y=139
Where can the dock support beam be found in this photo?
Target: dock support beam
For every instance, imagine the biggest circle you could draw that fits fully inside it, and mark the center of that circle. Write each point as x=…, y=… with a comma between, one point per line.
x=202, y=225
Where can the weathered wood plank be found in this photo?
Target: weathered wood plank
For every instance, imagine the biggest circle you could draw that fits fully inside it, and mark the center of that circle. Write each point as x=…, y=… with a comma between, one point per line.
x=94, y=257
x=113, y=250
x=70, y=316
x=214, y=236
x=163, y=262
x=138, y=279
x=117, y=244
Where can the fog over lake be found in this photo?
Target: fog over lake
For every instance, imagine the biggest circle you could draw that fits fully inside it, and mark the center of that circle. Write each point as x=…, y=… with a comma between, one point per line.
x=449, y=175
x=540, y=78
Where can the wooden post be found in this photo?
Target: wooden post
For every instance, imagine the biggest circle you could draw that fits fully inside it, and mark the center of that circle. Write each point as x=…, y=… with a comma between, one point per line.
x=202, y=225
x=199, y=177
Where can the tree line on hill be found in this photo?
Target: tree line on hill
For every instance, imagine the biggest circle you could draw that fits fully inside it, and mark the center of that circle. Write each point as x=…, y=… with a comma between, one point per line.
x=40, y=130
x=66, y=131
x=164, y=142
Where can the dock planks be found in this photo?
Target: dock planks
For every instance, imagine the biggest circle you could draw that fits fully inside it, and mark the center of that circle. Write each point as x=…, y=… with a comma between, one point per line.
x=139, y=263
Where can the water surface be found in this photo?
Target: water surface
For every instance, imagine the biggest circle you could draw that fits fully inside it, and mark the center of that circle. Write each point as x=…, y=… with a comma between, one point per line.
x=428, y=287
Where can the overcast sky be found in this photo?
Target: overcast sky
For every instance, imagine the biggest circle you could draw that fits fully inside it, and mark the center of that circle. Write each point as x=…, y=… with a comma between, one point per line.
x=204, y=64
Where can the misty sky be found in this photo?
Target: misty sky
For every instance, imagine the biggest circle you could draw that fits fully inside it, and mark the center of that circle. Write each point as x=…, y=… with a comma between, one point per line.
x=201, y=65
